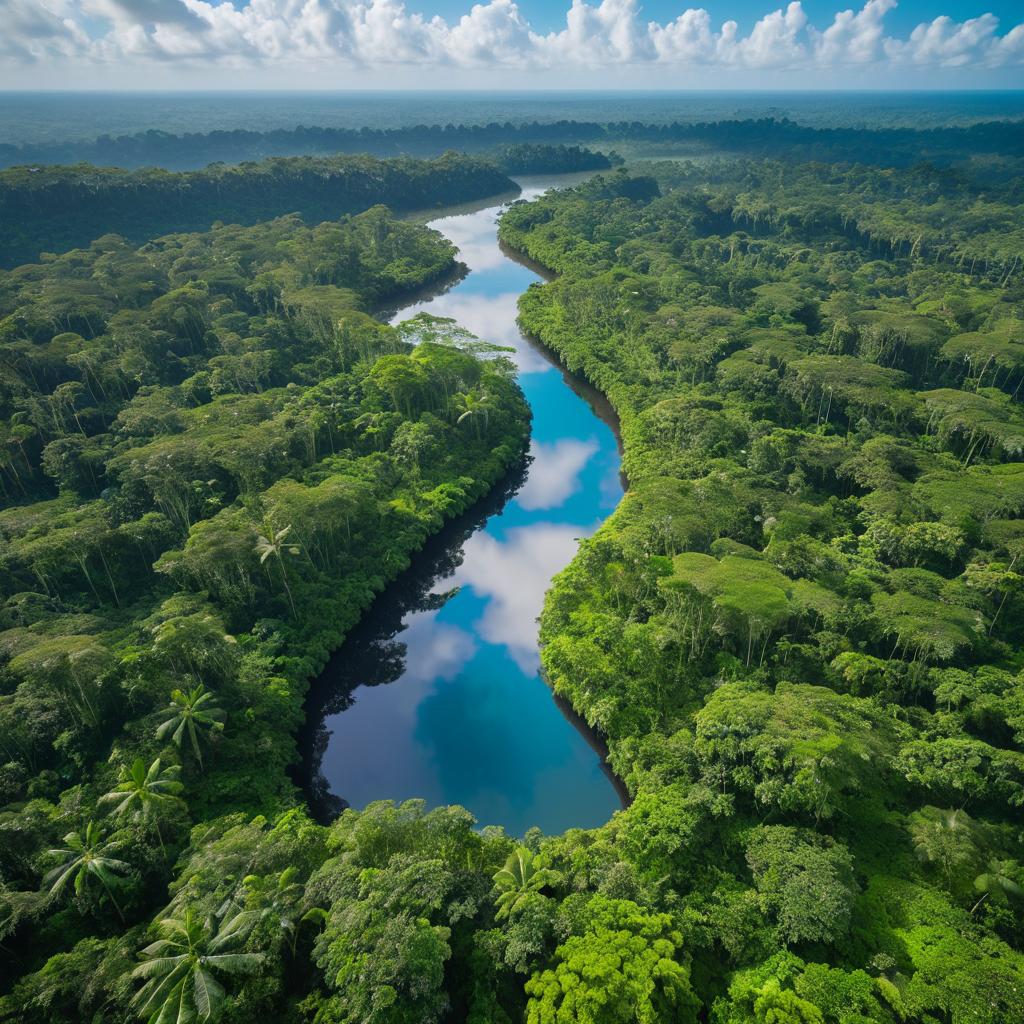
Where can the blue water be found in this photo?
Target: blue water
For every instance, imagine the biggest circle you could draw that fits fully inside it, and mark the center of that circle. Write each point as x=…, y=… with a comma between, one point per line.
x=440, y=689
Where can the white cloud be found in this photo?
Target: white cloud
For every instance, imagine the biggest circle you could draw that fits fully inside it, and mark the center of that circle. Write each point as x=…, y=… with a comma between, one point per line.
x=38, y=32
x=950, y=44
x=854, y=36
x=773, y=42
x=689, y=39
x=492, y=33
x=360, y=34
x=609, y=33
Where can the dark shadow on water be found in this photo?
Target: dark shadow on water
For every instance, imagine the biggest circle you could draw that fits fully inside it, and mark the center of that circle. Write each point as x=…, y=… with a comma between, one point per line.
x=372, y=654
x=596, y=742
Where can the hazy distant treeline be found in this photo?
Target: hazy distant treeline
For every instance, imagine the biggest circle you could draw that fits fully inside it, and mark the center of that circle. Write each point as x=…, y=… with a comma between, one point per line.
x=768, y=137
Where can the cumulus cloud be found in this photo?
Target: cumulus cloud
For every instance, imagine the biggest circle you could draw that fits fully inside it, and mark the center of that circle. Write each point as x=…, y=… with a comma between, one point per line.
x=492, y=34
x=950, y=44
x=35, y=31
x=775, y=41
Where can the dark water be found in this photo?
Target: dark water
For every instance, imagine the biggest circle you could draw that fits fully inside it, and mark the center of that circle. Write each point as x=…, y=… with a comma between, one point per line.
x=37, y=117
x=437, y=694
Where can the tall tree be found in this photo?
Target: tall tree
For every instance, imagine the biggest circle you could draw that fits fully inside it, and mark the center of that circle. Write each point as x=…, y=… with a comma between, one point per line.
x=271, y=544
x=145, y=792
x=519, y=879
x=84, y=857
x=179, y=969
x=194, y=715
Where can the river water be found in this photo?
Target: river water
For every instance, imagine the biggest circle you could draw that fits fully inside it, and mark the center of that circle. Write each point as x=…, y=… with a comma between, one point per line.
x=437, y=693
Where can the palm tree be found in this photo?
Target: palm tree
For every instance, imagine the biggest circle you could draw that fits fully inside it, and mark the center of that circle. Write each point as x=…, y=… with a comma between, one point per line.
x=998, y=882
x=85, y=857
x=519, y=879
x=373, y=424
x=272, y=543
x=942, y=837
x=472, y=406
x=142, y=792
x=196, y=715
x=180, y=968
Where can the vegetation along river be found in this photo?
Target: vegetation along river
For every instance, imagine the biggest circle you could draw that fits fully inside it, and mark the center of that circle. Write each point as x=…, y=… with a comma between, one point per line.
x=437, y=693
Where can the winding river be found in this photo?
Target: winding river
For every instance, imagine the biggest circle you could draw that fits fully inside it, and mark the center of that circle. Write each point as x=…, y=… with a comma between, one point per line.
x=437, y=693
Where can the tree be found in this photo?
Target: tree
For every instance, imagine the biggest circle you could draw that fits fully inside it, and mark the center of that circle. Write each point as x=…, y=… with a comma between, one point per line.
x=472, y=406
x=271, y=543
x=942, y=837
x=520, y=879
x=776, y=1005
x=144, y=792
x=195, y=715
x=277, y=900
x=805, y=880
x=404, y=380
x=999, y=882
x=179, y=969
x=620, y=969
x=85, y=857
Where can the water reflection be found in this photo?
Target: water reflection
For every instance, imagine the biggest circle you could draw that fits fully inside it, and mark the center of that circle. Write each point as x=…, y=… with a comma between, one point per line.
x=555, y=472
x=437, y=694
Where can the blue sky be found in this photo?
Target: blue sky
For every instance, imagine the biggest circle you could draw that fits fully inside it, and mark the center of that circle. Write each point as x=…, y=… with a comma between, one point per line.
x=501, y=44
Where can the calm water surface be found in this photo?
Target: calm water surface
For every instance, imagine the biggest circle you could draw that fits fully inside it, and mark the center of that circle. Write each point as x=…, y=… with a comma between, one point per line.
x=437, y=693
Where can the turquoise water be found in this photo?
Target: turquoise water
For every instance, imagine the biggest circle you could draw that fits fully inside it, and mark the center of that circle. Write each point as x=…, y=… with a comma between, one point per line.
x=437, y=694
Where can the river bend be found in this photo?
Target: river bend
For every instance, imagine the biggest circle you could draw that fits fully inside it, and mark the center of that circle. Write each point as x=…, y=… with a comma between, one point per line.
x=437, y=693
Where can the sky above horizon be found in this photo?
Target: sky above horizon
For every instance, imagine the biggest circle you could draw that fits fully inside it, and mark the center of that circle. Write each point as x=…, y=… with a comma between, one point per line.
x=510, y=44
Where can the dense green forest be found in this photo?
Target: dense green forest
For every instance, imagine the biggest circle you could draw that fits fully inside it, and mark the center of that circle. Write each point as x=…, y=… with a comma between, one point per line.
x=51, y=209
x=778, y=137
x=213, y=459
x=44, y=209
x=800, y=634
x=802, y=630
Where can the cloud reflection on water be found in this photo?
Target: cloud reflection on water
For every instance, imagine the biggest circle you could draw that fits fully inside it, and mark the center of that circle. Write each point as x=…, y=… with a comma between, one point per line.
x=513, y=575
x=473, y=235
x=435, y=650
x=555, y=472
x=490, y=317
x=459, y=713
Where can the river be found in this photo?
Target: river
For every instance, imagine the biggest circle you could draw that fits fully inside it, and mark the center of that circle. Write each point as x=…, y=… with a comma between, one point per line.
x=437, y=693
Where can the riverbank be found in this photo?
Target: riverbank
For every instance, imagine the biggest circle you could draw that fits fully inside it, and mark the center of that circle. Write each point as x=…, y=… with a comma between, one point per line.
x=463, y=715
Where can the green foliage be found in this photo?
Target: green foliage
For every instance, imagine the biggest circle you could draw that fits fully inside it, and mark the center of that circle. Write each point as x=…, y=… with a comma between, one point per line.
x=236, y=484
x=519, y=880
x=193, y=716
x=621, y=965
x=61, y=208
x=86, y=857
x=799, y=633
x=805, y=881
x=181, y=970
x=793, y=632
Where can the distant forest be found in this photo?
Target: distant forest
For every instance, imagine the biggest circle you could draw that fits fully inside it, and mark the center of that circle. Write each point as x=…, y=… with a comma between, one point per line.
x=762, y=137
x=44, y=209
